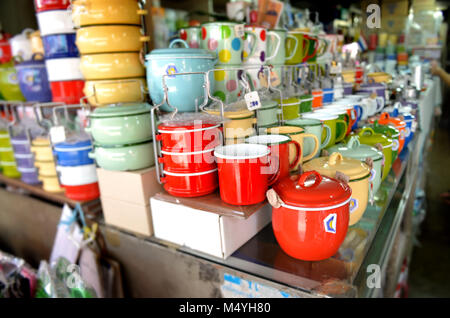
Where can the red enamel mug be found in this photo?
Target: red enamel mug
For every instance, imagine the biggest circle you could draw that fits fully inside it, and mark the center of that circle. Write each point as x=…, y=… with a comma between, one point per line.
x=279, y=152
x=244, y=173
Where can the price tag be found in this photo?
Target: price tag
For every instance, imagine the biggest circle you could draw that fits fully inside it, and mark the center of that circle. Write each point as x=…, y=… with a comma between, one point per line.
x=274, y=79
x=252, y=100
x=239, y=30
x=57, y=134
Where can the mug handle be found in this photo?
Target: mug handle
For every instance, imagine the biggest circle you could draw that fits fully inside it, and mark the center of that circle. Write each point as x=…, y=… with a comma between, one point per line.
x=342, y=136
x=316, y=46
x=274, y=178
x=316, y=146
x=328, y=136
x=381, y=99
x=324, y=46
x=295, y=46
x=298, y=154
x=253, y=49
x=306, y=45
x=277, y=48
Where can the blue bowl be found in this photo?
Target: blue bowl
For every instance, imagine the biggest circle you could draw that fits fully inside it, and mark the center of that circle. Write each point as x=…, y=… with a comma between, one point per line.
x=60, y=46
x=73, y=154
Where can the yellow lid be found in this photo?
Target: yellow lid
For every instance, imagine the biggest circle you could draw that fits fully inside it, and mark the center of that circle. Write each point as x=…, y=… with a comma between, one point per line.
x=41, y=141
x=328, y=166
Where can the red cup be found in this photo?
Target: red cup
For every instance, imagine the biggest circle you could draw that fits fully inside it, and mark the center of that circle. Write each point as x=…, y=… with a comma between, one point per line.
x=244, y=173
x=188, y=162
x=47, y=5
x=190, y=184
x=189, y=138
x=68, y=92
x=85, y=192
x=279, y=152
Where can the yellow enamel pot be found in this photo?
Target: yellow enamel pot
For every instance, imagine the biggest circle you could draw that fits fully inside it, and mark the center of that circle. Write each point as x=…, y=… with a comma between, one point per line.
x=105, y=92
x=297, y=134
x=239, y=125
x=98, y=12
x=110, y=38
x=50, y=184
x=111, y=66
x=46, y=168
x=358, y=174
x=42, y=149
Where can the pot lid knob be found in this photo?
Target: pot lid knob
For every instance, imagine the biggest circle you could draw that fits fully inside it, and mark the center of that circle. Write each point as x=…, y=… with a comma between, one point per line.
x=353, y=142
x=368, y=130
x=384, y=116
x=178, y=41
x=304, y=177
x=335, y=158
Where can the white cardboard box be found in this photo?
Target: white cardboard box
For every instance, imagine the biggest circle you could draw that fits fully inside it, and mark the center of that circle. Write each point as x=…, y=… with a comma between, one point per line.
x=208, y=232
x=130, y=217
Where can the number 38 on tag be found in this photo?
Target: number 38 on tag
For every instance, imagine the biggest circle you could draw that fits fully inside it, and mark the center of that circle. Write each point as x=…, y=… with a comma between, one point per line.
x=252, y=100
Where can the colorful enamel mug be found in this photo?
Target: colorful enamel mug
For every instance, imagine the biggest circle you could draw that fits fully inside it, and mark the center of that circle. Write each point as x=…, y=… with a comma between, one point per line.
x=314, y=127
x=297, y=46
x=221, y=38
x=331, y=122
x=297, y=134
x=192, y=36
x=290, y=108
x=279, y=146
x=280, y=57
x=256, y=49
x=226, y=83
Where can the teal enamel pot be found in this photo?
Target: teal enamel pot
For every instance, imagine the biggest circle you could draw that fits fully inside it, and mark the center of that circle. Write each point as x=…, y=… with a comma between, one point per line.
x=185, y=92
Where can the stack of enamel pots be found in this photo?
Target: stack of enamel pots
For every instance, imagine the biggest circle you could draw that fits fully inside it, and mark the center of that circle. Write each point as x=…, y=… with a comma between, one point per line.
x=110, y=41
x=122, y=137
x=61, y=54
x=188, y=166
x=45, y=163
x=7, y=160
x=77, y=172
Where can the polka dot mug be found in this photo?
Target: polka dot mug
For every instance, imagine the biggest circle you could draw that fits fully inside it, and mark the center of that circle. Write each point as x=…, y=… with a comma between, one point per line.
x=256, y=47
x=192, y=36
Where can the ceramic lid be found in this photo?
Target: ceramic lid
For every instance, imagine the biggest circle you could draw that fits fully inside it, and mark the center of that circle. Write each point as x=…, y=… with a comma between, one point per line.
x=312, y=190
x=119, y=111
x=179, y=52
x=354, y=149
x=354, y=169
x=370, y=137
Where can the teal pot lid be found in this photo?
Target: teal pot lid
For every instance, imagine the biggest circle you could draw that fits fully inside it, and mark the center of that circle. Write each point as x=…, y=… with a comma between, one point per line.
x=176, y=52
x=120, y=111
x=354, y=149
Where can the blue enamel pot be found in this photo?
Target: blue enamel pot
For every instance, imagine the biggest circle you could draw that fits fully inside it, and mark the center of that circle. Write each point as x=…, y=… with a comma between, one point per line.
x=185, y=92
x=60, y=46
x=71, y=154
x=33, y=80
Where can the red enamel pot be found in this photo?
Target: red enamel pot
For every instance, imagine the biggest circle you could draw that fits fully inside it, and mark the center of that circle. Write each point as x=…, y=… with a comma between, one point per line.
x=85, y=192
x=189, y=138
x=244, y=173
x=188, y=162
x=190, y=184
x=47, y=5
x=310, y=215
x=69, y=92
x=279, y=152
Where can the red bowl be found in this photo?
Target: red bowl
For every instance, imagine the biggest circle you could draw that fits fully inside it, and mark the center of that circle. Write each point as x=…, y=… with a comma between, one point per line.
x=310, y=235
x=190, y=185
x=189, y=138
x=188, y=162
x=46, y=5
x=69, y=92
x=85, y=192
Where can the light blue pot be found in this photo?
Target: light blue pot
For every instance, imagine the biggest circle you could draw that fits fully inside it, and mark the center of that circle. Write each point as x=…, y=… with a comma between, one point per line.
x=185, y=92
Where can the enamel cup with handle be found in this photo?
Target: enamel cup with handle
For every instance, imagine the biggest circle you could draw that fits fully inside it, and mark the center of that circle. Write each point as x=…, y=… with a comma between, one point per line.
x=256, y=46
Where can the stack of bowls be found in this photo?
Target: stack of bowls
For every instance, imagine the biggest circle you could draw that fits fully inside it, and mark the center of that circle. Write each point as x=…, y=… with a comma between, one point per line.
x=122, y=137
x=110, y=42
x=61, y=54
x=45, y=163
x=188, y=162
x=77, y=172
x=7, y=160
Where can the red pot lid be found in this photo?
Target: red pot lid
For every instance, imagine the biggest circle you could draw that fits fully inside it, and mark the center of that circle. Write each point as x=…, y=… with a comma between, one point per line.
x=312, y=190
x=167, y=127
x=386, y=119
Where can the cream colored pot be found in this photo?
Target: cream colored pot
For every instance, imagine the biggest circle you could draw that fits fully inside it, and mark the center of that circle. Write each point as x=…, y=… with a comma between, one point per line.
x=106, y=92
x=111, y=66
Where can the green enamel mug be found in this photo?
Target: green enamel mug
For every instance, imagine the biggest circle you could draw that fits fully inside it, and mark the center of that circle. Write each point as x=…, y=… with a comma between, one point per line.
x=306, y=103
x=268, y=113
x=290, y=108
x=332, y=122
x=314, y=127
x=342, y=115
x=222, y=38
x=297, y=47
x=280, y=57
